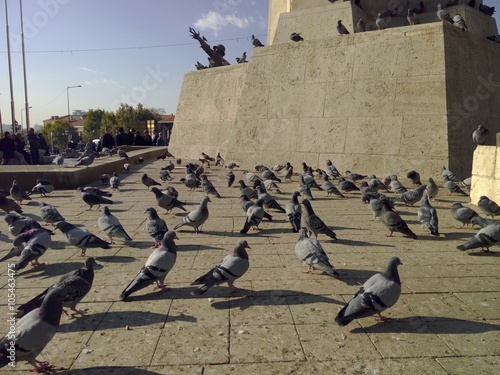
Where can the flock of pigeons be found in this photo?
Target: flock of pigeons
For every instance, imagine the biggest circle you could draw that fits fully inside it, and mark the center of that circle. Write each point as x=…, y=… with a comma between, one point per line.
x=40, y=317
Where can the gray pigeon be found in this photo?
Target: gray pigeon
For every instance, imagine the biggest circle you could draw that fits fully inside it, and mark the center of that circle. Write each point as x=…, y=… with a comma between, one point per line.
x=377, y=294
x=18, y=193
x=33, y=332
x=256, y=42
x=396, y=186
x=288, y=172
x=313, y=222
x=8, y=205
x=462, y=214
x=246, y=190
x=428, y=216
x=30, y=246
x=105, y=178
x=485, y=238
x=296, y=37
x=80, y=238
x=59, y=160
x=412, y=17
x=114, y=181
x=450, y=174
x=412, y=196
x=452, y=187
x=232, y=267
x=93, y=199
x=458, y=21
x=155, y=226
x=230, y=177
x=197, y=217
x=341, y=28
x=489, y=207
x=303, y=189
x=110, y=225
x=208, y=187
x=393, y=221
x=86, y=160
x=376, y=204
x=361, y=26
x=231, y=165
x=42, y=187
x=311, y=253
x=269, y=201
x=159, y=264
x=414, y=177
x=329, y=187
x=432, y=189
x=49, y=213
x=75, y=283
x=482, y=222
x=480, y=135
x=347, y=186
x=148, y=181
x=94, y=190
x=122, y=154
x=166, y=201
x=294, y=211
x=380, y=22
x=443, y=15
x=127, y=167
x=20, y=224
x=246, y=203
x=255, y=214
x=165, y=176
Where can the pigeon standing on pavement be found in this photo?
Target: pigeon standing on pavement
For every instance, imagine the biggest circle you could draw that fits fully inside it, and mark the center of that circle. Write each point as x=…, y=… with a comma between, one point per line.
x=313, y=222
x=296, y=37
x=489, y=207
x=93, y=199
x=110, y=225
x=432, y=189
x=20, y=224
x=443, y=15
x=377, y=294
x=462, y=214
x=329, y=187
x=148, y=181
x=159, y=264
x=341, y=28
x=49, y=213
x=246, y=203
x=485, y=238
x=393, y=221
x=8, y=205
x=452, y=187
x=59, y=160
x=208, y=187
x=165, y=176
x=361, y=26
x=414, y=177
x=396, y=186
x=18, y=193
x=86, y=160
x=166, y=201
x=255, y=214
x=256, y=42
x=458, y=21
x=42, y=187
x=155, y=226
x=311, y=253
x=229, y=269
x=80, y=237
x=412, y=196
x=114, y=181
x=30, y=245
x=197, y=217
x=480, y=135
x=294, y=211
x=122, y=154
x=33, y=332
x=230, y=177
x=269, y=201
x=246, y=190
x=76, y=285
x=428, y=216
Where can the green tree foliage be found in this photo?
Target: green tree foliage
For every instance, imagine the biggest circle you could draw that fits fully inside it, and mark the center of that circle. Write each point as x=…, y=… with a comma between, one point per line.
x=58, y=132
x=93, y=124
x=126, y=115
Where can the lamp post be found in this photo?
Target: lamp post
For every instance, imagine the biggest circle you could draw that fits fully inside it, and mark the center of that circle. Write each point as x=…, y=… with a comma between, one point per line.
x=22, y=123
x=67, y=96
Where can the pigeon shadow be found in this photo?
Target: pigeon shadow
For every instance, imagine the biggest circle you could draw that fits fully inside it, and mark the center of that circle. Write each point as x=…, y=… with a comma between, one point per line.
x=210, y=233
x=173, y=293
x=480, y=254
x=196, y=247
x=4, y=238
x=106, y=370
x=272, y=297
x=352, y=277
x=115, y=259
x=361, y=243
x=429, y=324
x=52, y=269
x=458, y=236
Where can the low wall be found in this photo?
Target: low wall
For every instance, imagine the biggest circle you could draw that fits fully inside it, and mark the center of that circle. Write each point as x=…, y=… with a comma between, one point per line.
x=486, y=173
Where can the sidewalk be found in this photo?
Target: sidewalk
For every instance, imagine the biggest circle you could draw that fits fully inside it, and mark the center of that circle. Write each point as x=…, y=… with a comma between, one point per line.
x=446, y=322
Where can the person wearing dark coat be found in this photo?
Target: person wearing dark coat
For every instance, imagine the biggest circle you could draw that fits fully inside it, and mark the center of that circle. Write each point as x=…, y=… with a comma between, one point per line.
x=33, y=142
x=107, y=139
x=122, y=138
x=7, y=147
x=20, y=145
x=131, y=135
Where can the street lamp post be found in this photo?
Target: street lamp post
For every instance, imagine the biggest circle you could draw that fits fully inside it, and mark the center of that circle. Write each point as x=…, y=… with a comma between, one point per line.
x=22, y=123
x=67, y=96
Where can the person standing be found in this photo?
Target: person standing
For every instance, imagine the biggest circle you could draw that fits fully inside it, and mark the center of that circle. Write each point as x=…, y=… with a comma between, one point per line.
x=155, y=137
x=131, y=135
x=147, y=139
x=33, y=142
x=8, y=148
x=107, y=139
x=20, y=145
x=122, y=139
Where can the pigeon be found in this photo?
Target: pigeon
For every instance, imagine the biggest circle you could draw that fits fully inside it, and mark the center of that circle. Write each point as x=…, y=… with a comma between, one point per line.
x=428, y=216
x=110, y=225
x=218, y=159
x=178, y=161
x=313, y=222
x=122, y=154
x=30, y=246
x=86, y=160
x=231, y=165
x=59, y=160
x=246, y=190
x=159, y=264
x=331, y=170
x=412, y=17
x=377, y=294
x=165, y=155
x=191, y=181
x=197, y=217
x=354, y=176
x=105, y=178
x=393, y=221
x=329, y=187
x=148, y=181
x=204, y=158
x=311, y=253
x=165, y=176
x=303, y=189
x=482, y=222
x=255, y=214
x=80, y=237
x=18, y=193
x=127, y=167
x=140, y=160
x=246, y=203
x=76, y=284
x=240, y=60
x=20, y=224
x=452, y=187
x=256, y=42
x=271, y=186
x=251, y=177
x=361, y=26
x=347, y=186
x=442, y=15
x=94, y=190
x=288, y=173
x=208, y=187
x=278, y=167
x=450, y=174
x=380, y=22
x=458, y=21
x=467, y=183
x=375, y=184
x=93, y=199
x=341, y=28
x=296, y=37
x=462, y=214
x=412, y=196
x=309, y=179
x=486, y=9
x=49, y=213
x=169, y=167
x=33, y=332
x=232, y=267
x=396, y=186
x=414, y=177
x=480, y=135
x=293, y=210
x=155, y=226
x=432, y=189
x=8, y=205
x=114, y=181
x=269, y=201
x=42, y=187
x=489, y=207
x=166, y=201
x=375, y=204
x=485, y=238
x=267, y=174
x=230, y=177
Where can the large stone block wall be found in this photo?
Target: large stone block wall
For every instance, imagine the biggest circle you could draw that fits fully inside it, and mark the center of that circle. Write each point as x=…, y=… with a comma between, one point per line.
x=486, y=174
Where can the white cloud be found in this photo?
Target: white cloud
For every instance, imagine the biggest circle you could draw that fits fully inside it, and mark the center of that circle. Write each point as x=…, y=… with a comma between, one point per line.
x=88, y=70
x=99, y=82
x=215, y=21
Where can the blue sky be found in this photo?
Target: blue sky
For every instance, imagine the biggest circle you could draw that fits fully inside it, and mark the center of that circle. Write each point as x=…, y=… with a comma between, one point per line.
x=115, y=69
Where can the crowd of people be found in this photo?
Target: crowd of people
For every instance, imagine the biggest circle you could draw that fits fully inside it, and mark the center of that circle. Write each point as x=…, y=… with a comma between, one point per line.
x=14, y=150
x=132, y=138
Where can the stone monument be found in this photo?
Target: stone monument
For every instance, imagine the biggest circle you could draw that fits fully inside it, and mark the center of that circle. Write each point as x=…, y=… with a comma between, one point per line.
x=381, y=101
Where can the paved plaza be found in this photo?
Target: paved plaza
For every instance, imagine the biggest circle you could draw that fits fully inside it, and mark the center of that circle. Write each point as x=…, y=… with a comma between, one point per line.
x=281, y=322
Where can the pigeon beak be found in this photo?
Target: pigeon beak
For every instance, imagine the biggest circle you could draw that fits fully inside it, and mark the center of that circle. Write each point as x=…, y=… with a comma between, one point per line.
x=247, y=247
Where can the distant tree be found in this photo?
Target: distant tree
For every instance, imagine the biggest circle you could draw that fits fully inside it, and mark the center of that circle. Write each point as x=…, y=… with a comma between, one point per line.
x=93, y=124
x=57, y=132
x=127, y=115
x=109, y=119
